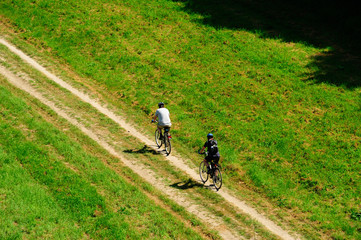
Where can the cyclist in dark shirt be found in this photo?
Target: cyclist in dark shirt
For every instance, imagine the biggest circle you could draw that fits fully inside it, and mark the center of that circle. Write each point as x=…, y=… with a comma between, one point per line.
x=212, y=148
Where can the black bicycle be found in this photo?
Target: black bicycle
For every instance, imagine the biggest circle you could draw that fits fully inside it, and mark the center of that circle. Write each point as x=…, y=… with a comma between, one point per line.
x=165, y=139
x=213, y=171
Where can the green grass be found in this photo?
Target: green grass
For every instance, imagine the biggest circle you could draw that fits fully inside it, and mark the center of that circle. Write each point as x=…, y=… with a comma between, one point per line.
x=42, y=197
x=282, y=126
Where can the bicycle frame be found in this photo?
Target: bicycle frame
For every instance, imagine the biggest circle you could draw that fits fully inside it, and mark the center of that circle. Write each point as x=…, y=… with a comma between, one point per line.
x=163, y=130
x=165, y=139
x=214, y=166
x=214, y=173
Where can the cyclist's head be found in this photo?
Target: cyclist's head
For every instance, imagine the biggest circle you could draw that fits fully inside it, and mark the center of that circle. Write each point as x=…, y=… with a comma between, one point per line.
x=161, y=104
x=209, y=136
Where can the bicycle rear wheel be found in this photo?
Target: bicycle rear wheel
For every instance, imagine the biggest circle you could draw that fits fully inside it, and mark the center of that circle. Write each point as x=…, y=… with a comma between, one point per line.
x=167, y=144
x=203, y=172
x=157, y=140
x=217, y=178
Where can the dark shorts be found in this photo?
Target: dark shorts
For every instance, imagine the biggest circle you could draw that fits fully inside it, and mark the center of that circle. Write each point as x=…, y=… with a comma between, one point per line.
x=214, y=158
x=163, y=126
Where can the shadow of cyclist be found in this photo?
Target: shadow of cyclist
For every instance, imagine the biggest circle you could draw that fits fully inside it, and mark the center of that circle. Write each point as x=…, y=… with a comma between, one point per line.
x=145, y=149
x=187, y=185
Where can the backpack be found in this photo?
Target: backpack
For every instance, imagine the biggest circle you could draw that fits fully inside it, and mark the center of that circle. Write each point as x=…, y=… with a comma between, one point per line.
x=213, y=147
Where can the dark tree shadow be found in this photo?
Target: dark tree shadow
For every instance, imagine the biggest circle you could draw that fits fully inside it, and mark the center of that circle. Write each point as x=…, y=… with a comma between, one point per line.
x=145, y=149
x=186, y=185
x=324, y=24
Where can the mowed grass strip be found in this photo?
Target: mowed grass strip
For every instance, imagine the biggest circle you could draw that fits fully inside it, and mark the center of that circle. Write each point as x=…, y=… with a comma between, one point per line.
x=44, y=193
x=282, y=128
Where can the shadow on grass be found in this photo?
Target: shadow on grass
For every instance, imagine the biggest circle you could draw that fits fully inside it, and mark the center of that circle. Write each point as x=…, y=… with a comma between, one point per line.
x=187, y=184
x=335, y=25
x=145, y=149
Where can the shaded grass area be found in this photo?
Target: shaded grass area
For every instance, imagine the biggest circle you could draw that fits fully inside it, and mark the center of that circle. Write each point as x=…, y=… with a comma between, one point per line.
x=51, y=188
x=333, y=25
x=286, y=125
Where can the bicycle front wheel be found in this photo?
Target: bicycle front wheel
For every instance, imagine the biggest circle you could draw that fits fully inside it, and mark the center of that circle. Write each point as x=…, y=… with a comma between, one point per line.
x=217, y=178
x=157, y=140
x=167, y=145
x=203, y=172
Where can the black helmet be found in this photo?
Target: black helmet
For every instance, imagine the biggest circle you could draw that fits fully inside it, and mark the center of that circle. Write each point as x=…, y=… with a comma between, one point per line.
x=161, y=104
x=209, y=135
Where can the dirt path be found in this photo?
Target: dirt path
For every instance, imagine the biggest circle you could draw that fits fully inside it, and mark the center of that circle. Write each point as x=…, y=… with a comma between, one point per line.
x=140, y=170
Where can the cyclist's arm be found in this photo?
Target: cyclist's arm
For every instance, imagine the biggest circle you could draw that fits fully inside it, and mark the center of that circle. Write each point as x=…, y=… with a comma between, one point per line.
x=202, y=150
x=155, y=116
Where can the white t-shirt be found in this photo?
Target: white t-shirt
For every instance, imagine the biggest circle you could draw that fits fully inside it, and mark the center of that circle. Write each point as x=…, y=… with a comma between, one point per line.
x=163, y=117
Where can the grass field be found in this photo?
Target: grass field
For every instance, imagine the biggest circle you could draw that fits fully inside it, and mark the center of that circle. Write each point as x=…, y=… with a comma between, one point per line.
x=286, y=114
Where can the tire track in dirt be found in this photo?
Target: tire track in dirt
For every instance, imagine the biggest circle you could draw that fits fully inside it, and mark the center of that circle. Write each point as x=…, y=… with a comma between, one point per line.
x=175, y=160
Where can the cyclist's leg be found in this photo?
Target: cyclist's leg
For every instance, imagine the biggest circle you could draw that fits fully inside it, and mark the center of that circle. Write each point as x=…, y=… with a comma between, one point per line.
x=160, y=131
x=168, y=129
x=207, y=161
x=215, y=161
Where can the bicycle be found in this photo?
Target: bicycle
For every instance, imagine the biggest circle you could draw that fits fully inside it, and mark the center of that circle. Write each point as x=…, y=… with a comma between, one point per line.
x=213, y=172
x=165, y=139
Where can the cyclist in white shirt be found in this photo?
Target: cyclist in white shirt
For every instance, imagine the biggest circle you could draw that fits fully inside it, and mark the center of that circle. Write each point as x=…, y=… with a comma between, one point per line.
x=163, y=118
